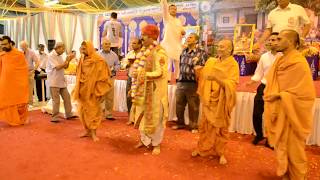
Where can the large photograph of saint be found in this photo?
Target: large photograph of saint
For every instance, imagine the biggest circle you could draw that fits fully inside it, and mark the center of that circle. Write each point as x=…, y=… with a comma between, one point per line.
x=243, y=38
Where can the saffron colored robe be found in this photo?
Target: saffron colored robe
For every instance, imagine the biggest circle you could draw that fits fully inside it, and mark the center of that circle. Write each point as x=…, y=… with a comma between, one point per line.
x=93, y=82
x=14, y=87
x=218, y=100
x=288, y=120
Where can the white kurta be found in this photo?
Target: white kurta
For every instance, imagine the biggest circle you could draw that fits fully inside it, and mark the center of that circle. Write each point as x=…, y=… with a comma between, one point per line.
x=172, y=38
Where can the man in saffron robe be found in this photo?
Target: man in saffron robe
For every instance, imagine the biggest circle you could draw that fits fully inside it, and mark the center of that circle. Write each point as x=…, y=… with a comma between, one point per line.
x=217, y=90
x=289, y=97
x=151, y=103
x=93, y=82
x=14, y=84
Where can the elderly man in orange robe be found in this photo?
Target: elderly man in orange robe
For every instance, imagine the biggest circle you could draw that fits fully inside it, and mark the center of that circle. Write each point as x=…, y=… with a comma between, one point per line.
x=289, y=97
x=93, y=82
x=14, y=87
x=217, y=90
x=151, y=95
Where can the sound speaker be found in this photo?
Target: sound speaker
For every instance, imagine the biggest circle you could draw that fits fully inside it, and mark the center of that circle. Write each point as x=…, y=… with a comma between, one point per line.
x=51, y=44
x=1, y=29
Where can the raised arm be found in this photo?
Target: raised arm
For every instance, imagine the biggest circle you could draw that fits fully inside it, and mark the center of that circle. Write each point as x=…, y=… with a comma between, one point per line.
x=165, y=9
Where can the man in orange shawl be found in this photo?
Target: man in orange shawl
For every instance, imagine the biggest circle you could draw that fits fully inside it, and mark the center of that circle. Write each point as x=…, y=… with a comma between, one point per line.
x=151, y=99
x=289, y=97
x=217, y=90
x=93, y=82
x=14, y=87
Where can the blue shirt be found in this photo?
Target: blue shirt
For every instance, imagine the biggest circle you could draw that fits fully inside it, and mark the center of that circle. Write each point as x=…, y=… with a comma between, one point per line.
x=112, y=59
x=188, y=60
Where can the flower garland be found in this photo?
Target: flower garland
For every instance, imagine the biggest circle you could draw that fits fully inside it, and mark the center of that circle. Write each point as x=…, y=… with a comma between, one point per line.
x=310, y=51
x=138, y=74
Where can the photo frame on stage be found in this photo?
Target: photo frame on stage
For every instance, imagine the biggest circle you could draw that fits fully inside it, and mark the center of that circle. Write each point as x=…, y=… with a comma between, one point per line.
x=189, y=30
x=243, y=38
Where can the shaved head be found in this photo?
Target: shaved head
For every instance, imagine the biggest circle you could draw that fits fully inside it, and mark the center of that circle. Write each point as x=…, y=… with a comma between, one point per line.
x=292, y=36
x=225, y=48
x=227, y=42
x=287, y=40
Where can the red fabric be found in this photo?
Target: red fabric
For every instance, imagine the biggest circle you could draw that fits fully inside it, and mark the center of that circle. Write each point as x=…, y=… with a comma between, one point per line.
x=151, y=31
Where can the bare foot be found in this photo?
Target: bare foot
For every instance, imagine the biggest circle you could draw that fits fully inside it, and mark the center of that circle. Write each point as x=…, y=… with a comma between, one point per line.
x=195, y=153
x=285, y=177
x=85, y=134
x=129, y=123
x=139, y=145
x=94, y=136
x=27, y=121
x=156, y=150
x=223, y=160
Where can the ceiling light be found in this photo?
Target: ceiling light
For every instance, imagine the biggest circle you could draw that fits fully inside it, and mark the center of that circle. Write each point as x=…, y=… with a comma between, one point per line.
x=50, y=2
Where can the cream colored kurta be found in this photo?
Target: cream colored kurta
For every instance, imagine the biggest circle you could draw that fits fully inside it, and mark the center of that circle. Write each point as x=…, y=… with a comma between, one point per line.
x=152, y=115
x=172, y=38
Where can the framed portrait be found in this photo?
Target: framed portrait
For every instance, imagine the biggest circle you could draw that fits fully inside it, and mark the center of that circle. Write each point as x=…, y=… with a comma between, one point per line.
x=189, y=30
x=243, y=38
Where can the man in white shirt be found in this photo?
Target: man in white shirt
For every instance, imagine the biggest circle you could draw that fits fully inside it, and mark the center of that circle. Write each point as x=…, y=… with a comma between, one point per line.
x=57, y=82
x=33, y=64
x=43, y=58
x=265, y=63
x=136, y=45
x=112, y=31
x=173, y=33
x=286, y=16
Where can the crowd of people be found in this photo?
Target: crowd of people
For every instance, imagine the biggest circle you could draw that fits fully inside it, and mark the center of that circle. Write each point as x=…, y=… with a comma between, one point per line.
x=283, y=101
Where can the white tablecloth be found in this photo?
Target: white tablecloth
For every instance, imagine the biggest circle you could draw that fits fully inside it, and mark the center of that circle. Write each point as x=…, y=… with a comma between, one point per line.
x=120, y=96
x=241, y=117
x=71, y=81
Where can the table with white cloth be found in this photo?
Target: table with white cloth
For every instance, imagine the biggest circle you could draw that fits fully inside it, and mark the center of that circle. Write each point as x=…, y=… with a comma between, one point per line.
x=71, y=82
x=120, y=96
x=241, y=117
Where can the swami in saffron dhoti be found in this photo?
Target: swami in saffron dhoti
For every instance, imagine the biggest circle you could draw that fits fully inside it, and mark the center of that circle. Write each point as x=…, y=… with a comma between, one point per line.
x=289, y=97
x=93, y=82
x=217, y=90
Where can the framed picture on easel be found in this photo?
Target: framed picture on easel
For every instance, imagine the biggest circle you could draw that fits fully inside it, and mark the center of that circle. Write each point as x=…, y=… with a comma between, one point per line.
x=243, y=38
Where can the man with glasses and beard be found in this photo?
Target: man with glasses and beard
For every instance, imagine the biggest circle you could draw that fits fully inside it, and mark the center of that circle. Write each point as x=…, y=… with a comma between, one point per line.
x=14, y=84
